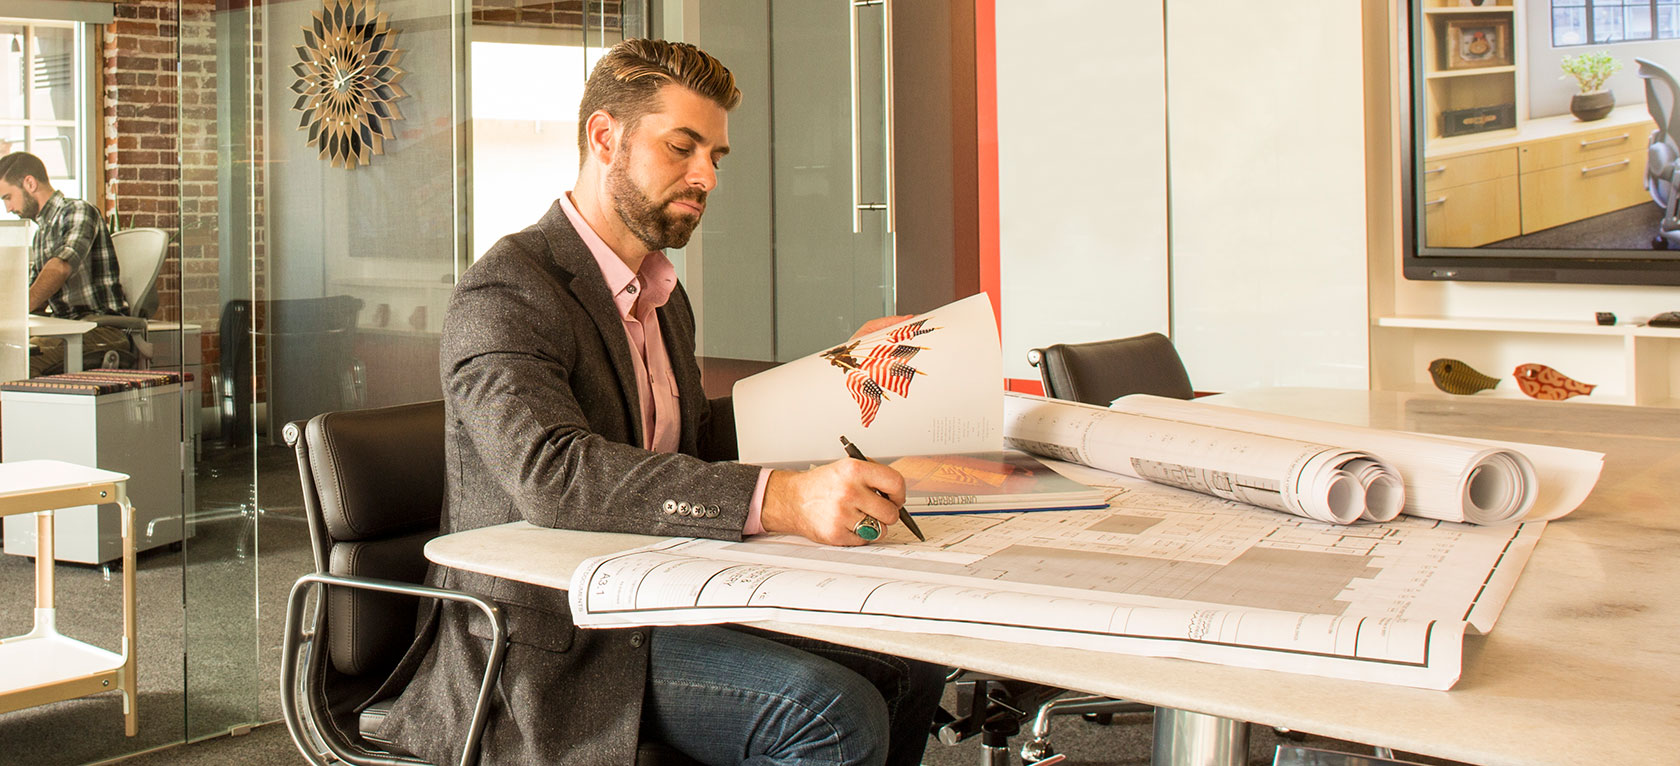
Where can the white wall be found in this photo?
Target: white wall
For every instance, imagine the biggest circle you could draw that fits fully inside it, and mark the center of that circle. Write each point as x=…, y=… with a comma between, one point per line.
x=1081, y=108
x=1266, y=107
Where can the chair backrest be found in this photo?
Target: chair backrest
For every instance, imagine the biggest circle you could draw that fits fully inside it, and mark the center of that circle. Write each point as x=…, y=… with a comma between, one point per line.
x=310, y=349
x=1661, y=92
x=1102, y=371
x=373, y=489
x=139, y=259
x=233, y=377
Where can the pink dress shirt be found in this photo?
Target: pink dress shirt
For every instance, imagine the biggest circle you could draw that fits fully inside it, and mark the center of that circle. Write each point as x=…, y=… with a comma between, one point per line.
x=638, y=297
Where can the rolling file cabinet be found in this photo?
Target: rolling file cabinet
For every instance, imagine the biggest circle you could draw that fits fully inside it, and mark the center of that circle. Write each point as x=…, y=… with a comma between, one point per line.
x=127, y=421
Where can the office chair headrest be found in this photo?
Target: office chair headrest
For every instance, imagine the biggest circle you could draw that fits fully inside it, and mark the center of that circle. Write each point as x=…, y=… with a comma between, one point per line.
x=378, y=473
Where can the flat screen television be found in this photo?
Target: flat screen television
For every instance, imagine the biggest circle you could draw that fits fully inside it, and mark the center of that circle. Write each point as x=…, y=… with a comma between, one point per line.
x=1500, y=182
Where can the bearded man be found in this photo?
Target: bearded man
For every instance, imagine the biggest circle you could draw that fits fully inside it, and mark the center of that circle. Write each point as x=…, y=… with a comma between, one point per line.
x=73, y=270
x=573, y=400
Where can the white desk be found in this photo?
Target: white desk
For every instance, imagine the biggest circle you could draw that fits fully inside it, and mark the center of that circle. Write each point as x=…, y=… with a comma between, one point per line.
x=71, y=330
x=1582, y=667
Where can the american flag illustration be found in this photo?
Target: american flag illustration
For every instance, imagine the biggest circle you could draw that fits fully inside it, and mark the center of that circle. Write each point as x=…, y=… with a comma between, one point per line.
x=866, y=392
x=884, y=369
x=909, y=331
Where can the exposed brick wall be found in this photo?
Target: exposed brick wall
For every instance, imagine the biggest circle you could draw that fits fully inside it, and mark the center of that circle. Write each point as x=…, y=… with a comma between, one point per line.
x=142, y=163
x=566, y=14
x=159, y=96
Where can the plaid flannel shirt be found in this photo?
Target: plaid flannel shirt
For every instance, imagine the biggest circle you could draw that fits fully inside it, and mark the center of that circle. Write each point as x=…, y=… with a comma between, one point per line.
x=74, y=232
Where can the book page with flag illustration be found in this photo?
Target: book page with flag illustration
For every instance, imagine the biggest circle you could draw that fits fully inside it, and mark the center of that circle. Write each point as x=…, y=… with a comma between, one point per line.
x=927, y=385
x=983, y=482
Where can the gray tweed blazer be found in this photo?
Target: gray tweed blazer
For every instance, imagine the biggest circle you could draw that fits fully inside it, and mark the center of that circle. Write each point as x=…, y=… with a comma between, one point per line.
x=543, y=424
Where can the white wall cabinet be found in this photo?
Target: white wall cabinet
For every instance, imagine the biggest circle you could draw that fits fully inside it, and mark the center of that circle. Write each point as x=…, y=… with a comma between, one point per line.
x=1178, y=169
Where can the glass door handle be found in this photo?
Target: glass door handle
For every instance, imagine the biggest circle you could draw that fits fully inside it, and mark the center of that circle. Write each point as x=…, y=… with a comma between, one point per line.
x=858, y=205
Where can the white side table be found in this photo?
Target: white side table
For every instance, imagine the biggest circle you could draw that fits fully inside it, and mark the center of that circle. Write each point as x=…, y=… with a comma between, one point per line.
x=44, y=666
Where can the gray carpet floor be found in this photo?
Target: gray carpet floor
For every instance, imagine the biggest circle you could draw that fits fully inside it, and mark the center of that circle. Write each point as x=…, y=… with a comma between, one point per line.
x=1631, y=228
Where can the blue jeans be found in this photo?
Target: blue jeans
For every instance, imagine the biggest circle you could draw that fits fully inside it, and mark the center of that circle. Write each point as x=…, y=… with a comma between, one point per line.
x=734, y=695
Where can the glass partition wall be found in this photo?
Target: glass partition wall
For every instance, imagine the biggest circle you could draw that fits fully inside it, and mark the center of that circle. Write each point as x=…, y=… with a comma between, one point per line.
x=324, y=170
x=310, y=164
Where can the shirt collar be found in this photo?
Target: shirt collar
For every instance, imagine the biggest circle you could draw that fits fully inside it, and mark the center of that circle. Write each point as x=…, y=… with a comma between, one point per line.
x=52, y=205
x=658, y=278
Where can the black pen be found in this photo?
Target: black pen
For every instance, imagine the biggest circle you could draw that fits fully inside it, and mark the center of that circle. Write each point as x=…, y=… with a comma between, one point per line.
x=856, y=454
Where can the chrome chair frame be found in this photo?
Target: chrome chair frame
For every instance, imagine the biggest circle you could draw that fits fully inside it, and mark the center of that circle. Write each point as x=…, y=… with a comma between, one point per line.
x=317, y=738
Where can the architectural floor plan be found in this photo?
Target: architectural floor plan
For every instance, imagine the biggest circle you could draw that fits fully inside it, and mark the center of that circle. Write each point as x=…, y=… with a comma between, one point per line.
x=1161, y=572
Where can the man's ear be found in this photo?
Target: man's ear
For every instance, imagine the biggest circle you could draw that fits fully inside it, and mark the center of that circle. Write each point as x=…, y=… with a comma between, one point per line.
x=29, y=184
x=602, y=132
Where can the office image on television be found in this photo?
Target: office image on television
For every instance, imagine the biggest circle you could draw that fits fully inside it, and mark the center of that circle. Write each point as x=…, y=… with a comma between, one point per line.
x=1543, y=137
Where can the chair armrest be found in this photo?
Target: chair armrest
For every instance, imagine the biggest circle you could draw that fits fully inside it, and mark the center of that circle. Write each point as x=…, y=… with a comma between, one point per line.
x=294, y=633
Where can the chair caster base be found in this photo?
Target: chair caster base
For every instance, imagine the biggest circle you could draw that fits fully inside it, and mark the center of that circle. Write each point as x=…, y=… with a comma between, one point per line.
x=1036, y=751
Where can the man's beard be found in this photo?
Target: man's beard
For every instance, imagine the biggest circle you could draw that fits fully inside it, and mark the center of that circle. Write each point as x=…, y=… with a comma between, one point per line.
x=655, y=226
x=30, y=209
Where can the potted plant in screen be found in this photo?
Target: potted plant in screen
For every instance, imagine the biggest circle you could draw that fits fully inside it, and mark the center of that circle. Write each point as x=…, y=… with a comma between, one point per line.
x=1591, y=70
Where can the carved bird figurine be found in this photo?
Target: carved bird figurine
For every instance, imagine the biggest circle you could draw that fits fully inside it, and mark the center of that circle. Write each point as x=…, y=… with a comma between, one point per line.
x=1455, y=377
x=1542, y=382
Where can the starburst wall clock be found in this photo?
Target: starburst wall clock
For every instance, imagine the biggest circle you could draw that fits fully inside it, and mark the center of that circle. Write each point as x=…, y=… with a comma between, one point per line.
x=346, y=83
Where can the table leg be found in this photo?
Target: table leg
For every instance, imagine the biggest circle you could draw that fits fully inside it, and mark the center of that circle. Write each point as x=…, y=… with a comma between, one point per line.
x=130, y=685
x=72, y=353
x=44, y=553
x=1183, y=738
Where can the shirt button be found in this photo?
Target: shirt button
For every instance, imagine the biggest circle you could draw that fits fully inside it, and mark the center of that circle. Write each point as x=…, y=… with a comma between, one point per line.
x=670, y=506
x=631, y=289
x=636, y=638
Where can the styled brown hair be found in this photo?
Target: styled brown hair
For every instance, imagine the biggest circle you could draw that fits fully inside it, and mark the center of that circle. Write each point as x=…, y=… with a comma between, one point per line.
x=626, y=82
x=14, y=166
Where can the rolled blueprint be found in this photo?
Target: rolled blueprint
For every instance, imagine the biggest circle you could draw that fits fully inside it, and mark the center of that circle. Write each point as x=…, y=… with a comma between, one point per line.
x=1445, y=478
x=1319, y=481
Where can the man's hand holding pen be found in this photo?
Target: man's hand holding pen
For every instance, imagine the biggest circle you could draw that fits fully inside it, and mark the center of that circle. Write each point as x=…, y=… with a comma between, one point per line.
x=827, y=503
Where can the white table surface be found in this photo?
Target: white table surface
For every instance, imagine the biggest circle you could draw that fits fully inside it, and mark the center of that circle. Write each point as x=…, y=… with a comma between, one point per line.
x=1583, y=667
x=23, y=477
x=71, y=330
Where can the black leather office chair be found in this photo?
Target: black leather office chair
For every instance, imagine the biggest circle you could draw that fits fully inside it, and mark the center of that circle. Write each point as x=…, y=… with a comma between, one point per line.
x=1102, y=371
x=373, y=490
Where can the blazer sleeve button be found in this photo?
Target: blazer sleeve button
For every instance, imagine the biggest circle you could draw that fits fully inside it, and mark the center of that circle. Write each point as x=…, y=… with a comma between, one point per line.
x=682, y=509
x=670, y=506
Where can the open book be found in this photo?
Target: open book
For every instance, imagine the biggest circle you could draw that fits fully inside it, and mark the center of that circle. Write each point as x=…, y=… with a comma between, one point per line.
x=982, y=482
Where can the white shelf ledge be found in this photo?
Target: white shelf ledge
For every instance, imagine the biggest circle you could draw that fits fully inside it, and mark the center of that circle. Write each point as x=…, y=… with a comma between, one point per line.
x=1533, y=326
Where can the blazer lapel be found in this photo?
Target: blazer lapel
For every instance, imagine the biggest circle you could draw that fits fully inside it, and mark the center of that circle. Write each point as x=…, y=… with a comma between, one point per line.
x=590, y=289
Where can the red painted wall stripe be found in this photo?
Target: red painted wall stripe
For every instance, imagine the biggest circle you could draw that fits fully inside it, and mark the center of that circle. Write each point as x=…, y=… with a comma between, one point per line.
x=985, y=124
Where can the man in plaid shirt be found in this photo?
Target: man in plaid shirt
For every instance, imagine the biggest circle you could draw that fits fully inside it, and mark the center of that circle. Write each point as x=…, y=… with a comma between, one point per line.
x=72, y=266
